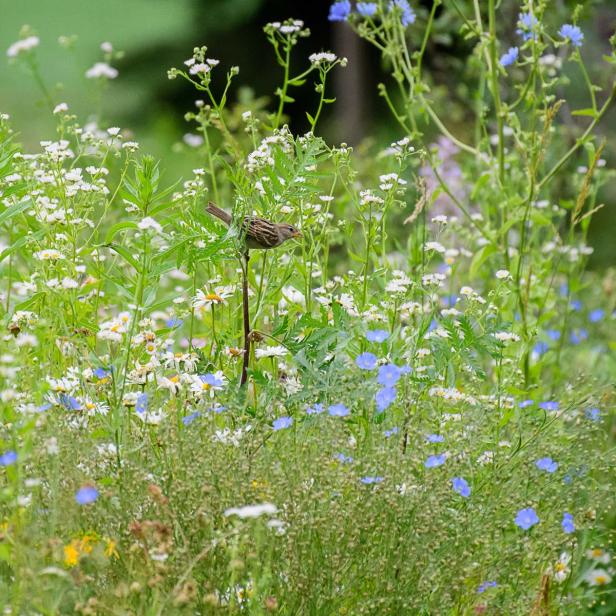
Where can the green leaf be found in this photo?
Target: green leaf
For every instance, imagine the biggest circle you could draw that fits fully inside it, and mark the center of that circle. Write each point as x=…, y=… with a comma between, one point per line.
x=120, y=250
x=19, y=243
x=585, y=112
x=480, y=258
x=14, y=210
x=310, y=118
x=117, y=228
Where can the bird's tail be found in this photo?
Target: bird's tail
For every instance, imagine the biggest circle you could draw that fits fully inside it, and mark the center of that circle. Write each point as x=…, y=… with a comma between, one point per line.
x=214, y=210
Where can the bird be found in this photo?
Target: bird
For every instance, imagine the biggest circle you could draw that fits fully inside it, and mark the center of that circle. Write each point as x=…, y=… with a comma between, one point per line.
x=260, y=234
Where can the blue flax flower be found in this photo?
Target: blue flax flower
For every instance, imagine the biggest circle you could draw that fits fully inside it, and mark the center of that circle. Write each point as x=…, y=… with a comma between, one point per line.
x=384, y=398
x=315, y=409
x=485, y=585
x=377, y=335
x=526, y=403
x=547, y=464
x=434, y=461
x=339, y=11
x=435, y=438
x=141, y=406
x=190, y=418
x=86, y=495
x=527, y=23
x=8, y=458
x=549, y=405
x=578, y=336
x=366, y=361
x=388, y=376
x=596, y=315
x=509, y=58
x=593, y=414
x=541, y=347
x=573, y=34
x=282, y=422
x=567, y=523
x=338, y=410
x=344, y=459
x=461, y=487
x=70, y=403
x=390, y=433
x=526, y=518
x=407, y=14
x=369, y=479
x=367, y=9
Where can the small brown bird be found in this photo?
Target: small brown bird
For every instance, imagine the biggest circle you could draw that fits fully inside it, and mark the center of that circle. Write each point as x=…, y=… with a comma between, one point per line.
x=260, y=233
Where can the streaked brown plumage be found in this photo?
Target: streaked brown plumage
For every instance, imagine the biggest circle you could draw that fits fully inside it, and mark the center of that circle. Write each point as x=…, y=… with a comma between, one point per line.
x=260, y=233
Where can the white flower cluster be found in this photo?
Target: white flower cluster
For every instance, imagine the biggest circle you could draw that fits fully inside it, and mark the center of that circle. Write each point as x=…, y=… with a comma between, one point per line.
x=25, y=44
x=263, y=156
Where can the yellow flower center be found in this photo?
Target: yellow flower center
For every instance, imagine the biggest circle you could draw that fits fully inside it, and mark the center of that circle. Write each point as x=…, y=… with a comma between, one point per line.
x=597, y=553
x=214, y=297
x=601, y=580
x=175, y=379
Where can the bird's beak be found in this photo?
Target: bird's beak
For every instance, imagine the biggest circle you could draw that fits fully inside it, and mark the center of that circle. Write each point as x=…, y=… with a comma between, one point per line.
x=297, y=234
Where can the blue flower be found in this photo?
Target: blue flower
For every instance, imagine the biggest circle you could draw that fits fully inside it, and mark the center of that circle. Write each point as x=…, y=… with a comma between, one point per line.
x=553, y=334
x=338, y=410
x=573, y=33
x=366, y=361
x=485, y=585
x=567, y=523
x=141, y=406
x=86, y=495
x=339, y=11
x=578, y=336
x=576, y=305
x=43, y=407
x=174, y=322
x=596, y=315
x=388, y=376
x=8, y=458
x=434, y=461
x=366, y=9
x=315, y=409
x=408, y=15
x=549, y=405
x=369, y=479
x=212, y=380
x=541, y=347
x=190, y=418
x=547, y=464
x=392, y=432
x=527, y=23
x=461, y=487
x=384, y=398
x=435, y=438
x=526, y=403
x=282, y=422
x=101, y=373
x=593, y=414
x=526, y=518
x=509, y=58
x=344, y=459
x=377, y=335
x=70, y=403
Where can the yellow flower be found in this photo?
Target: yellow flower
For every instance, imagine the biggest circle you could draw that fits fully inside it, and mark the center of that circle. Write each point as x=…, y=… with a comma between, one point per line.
x=110, y=548
x=71, y=553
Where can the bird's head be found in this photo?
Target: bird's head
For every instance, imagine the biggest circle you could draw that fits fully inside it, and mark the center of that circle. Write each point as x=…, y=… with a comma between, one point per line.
x=287, y=231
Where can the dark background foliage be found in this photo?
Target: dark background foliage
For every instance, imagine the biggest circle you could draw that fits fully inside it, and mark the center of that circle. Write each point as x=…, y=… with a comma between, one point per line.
x=158, y=34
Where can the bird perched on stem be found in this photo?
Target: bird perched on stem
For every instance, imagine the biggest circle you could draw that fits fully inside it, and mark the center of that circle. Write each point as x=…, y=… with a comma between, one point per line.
x=259, y=233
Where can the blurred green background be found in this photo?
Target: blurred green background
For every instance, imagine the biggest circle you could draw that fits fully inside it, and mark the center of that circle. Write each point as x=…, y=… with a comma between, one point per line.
x=157, y=34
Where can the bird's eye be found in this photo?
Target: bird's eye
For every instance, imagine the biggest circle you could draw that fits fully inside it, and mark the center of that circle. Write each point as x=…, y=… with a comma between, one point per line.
x=291, y=228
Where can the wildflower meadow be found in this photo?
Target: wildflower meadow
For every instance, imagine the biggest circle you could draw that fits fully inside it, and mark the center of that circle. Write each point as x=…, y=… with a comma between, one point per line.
x=402, y=404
